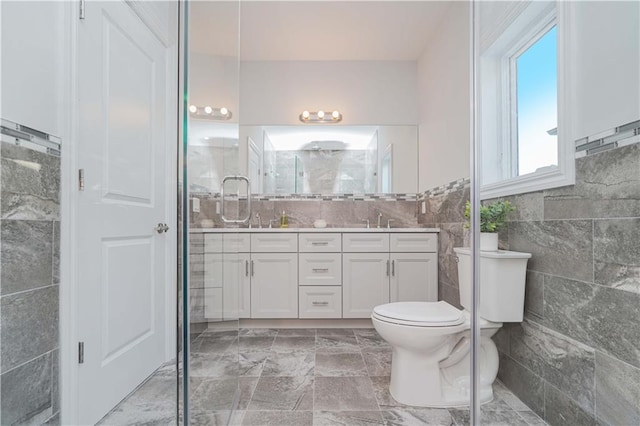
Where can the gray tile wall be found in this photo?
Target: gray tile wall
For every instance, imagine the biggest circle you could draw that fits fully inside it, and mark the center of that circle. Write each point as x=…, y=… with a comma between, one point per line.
x=575, y=360
x=29, y=279
x=576, y=357
x=303, y=212
x=445, y=210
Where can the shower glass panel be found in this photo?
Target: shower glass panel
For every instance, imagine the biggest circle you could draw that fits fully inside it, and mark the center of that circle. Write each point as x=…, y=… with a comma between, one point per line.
x=214, y=206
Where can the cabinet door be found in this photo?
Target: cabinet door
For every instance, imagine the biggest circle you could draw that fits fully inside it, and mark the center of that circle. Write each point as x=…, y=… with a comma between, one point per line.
x=213, y=279
x=236, y=292
x=274, y=285
x=365, y=283
x=414, y=277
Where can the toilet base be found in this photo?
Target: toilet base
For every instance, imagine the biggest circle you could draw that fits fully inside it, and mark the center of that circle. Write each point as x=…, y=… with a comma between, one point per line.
x=436, y=381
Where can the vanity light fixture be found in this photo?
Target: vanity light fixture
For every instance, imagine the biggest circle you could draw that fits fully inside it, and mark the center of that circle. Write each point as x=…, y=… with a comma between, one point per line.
x=320, y=117
x=209, y=112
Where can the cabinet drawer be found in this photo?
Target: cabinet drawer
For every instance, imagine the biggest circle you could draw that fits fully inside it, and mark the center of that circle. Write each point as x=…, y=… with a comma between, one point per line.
x=319, y=243
x=414, y=243
x=320, y=302
x=274, y=243
x=365, y=243
x=320, y=269
x=236, y=243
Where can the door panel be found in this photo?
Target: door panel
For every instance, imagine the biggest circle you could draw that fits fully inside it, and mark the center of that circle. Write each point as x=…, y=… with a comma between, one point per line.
x=274, y=285
x=122, y=137
x=414, y=277
x=365, y=283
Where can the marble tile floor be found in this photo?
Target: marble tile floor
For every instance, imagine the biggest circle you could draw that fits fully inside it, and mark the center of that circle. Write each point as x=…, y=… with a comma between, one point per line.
x=297, y=377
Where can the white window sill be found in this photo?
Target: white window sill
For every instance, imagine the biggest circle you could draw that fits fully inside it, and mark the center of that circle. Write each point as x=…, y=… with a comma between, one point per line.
x=532, y=182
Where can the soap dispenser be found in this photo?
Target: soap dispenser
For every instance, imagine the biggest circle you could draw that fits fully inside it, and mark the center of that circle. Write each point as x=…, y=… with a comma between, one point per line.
x=284, y=221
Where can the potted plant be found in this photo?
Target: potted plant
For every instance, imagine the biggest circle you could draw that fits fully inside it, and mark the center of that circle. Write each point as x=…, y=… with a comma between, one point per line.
x=492, y=218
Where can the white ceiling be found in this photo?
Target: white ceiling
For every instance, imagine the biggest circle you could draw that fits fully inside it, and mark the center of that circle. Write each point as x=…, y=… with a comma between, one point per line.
x=315, y=30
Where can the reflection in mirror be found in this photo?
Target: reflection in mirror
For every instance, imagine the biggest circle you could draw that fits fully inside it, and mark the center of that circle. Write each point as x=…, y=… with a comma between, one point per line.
x=332, y=160
x=212, y=155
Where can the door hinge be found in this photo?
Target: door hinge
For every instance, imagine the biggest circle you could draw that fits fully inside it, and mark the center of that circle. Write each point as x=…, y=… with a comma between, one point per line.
x=81, y=180
x=82, y=9
x=80, y=352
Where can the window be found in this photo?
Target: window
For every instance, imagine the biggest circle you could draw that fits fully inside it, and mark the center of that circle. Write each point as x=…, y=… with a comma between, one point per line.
x=525, y=145
x=535, y=105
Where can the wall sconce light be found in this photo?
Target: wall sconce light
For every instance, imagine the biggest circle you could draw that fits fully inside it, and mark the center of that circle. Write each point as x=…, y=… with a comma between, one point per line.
x=209, y=113
x=320, y=117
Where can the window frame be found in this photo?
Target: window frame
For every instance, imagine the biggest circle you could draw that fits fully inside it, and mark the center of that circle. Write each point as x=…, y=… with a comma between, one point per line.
x=499, y=115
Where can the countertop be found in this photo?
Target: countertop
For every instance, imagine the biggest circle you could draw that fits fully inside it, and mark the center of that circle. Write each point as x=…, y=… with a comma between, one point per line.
x=302, y=230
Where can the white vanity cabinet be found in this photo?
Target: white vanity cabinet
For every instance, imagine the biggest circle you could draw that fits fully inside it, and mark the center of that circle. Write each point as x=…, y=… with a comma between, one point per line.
x=316, y=275
x=383, y=268
x=274, y=275
x=226, y=277
x=236, y=290
x=414, y=267
x=365, y=276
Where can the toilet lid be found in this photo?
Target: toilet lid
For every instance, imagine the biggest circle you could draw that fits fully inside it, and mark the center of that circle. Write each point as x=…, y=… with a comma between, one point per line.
x=435, y=314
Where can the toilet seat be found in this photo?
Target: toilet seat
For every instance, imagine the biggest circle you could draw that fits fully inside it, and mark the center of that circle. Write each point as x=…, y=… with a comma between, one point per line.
x=420, y=314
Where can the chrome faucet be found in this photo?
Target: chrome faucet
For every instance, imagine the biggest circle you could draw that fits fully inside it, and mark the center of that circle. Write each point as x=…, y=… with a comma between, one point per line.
x=389, y=223
x=379, y=219
x=259, y=220
x=271, y=221
x=368, y=222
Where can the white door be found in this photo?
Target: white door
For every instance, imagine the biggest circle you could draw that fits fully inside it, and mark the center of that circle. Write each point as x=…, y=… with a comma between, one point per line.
x=122, y=137
x=274, y=285
x=365, y=283
x=414, y=277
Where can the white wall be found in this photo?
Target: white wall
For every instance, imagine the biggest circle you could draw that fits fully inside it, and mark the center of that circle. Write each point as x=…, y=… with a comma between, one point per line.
x=607, y=65
x=33, y=60
x=443, y=87
x=213, y=81
x=366, y=92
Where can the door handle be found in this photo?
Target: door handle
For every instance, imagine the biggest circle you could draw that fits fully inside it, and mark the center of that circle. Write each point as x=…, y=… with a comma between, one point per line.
x=246, y=268
x=161, y=227
x=393, y=268
x=252, y=269
x=387, y=268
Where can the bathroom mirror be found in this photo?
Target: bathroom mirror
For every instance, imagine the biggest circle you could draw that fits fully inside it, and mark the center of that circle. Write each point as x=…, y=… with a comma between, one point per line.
x=331, y=160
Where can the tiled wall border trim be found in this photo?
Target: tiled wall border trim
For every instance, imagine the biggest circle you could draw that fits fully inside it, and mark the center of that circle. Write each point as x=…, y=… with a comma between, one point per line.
x=620, y=136
x=318, y=197
x=446, y=188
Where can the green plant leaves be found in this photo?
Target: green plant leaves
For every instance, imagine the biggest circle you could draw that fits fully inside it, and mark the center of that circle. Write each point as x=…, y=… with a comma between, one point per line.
x=492, y=216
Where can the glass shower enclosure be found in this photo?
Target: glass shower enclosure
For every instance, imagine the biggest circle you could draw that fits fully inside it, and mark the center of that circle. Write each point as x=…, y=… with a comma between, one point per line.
x=215, y=202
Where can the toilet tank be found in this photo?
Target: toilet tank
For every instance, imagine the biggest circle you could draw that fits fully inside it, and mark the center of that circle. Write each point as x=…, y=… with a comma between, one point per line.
x=502, y=279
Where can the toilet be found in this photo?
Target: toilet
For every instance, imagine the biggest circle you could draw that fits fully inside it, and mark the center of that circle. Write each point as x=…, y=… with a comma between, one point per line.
x=431, y=343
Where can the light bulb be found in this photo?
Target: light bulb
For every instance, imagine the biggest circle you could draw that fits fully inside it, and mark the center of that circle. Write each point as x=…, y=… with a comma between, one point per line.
x=320, y=114
x=224, y=111
x=208, y=109
x=193, y=109
x=305, y=115
x=335, y=115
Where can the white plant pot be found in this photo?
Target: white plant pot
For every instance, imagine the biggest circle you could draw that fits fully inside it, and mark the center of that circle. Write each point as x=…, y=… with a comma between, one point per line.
x=488, y=241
